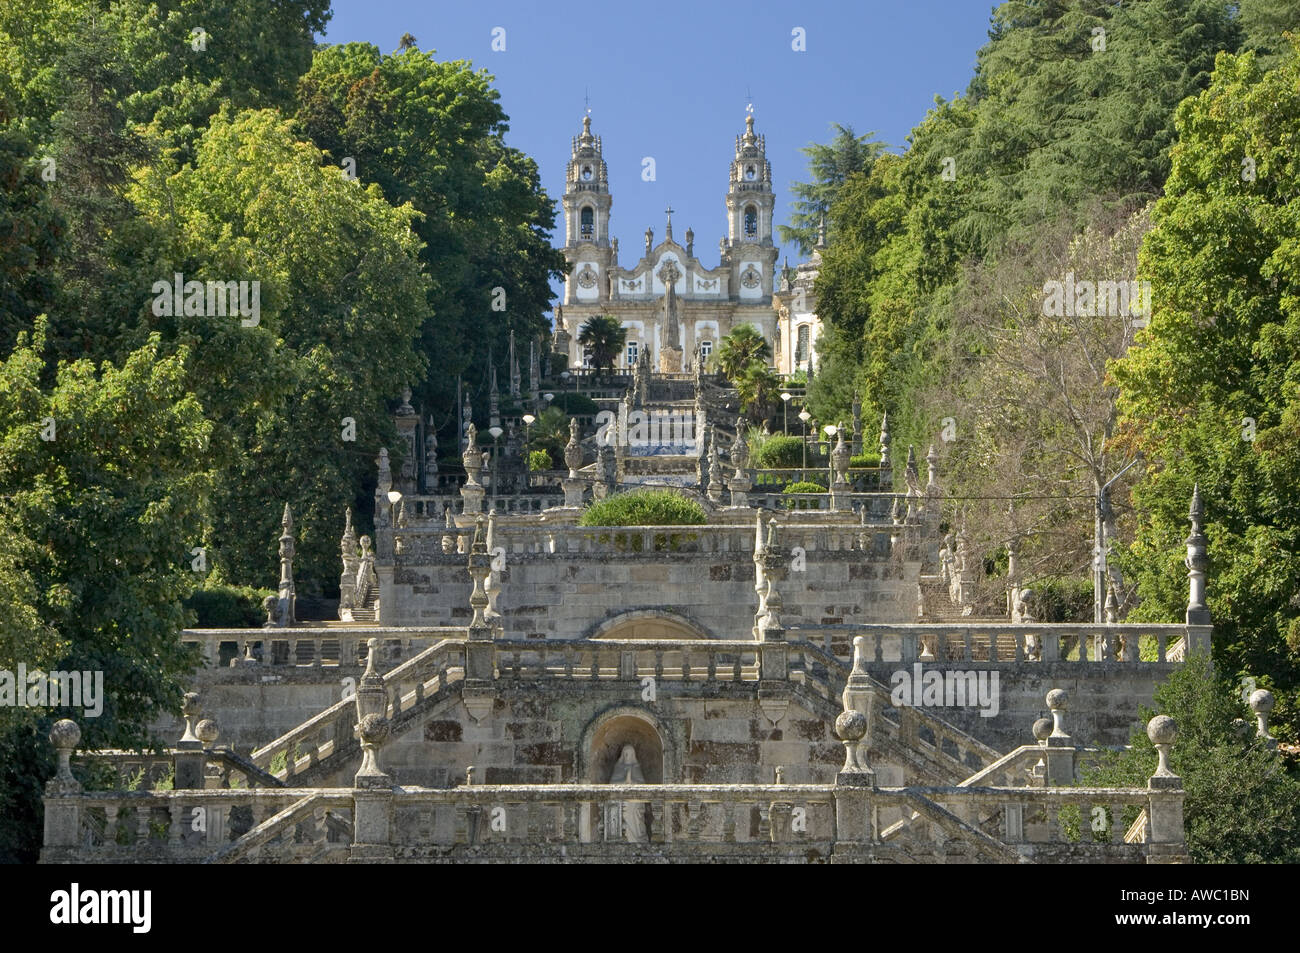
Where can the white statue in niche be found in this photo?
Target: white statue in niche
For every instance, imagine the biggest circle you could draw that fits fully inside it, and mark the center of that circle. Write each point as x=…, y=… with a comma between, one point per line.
x=629, y=814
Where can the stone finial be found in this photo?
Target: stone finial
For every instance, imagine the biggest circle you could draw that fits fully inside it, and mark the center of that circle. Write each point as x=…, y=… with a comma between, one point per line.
x=472, y=458
x=740, y=450
x=385, y=481
x=573, y=450
x=932, y=475
x=1042, y=730
x=1197, y=563
x=1163, y=731
x=1112, y=606
x=779, y=775
x=448, y=533
x=430, y=457
x=207, y=731
x=840, y=457
x=372, y=720
x=191, y=709
x=885, y=462
x=1058, y=700
x=65, y=734
x=1261, y=703
x=348, y=544
x=851, y=727
x=1028, y=603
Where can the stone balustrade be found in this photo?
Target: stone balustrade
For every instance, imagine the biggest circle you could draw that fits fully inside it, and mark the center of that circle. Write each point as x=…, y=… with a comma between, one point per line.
x=1003, y=642
x=759, y=822
x=307, y=646
x=330, y=732
x=193, y=826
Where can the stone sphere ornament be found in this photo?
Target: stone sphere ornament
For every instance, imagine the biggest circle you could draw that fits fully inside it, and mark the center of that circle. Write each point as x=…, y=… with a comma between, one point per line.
x=1042, y=729
x=851, y=725
x=207, y=731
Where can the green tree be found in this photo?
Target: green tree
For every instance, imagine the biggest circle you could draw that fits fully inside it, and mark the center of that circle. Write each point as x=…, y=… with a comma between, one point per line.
x=100, y=523
x=1210, y=390
x=341, y=298
x=1243, y=800
x=606, y=337
x=830, y=166
x=29, y=230
x=432, y=134
x=742, y=349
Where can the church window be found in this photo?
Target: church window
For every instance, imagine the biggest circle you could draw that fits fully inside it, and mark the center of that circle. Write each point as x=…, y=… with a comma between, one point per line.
x=801, y=349
x=706, y=348
x=588, y=228
x=632, y=353
x=751, y=222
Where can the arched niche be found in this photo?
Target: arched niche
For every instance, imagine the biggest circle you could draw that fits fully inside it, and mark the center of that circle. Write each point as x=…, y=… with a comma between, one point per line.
x=604, y=738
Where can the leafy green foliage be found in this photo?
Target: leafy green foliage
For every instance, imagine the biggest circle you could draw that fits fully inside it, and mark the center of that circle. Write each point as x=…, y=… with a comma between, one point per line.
x=221, y=606
x=644, y=508
x=341, y=295
x=431, y=134
x=779, y=452
x=829, y=166
x=1243, y=800
x=741, y=351
x=539, y=460
x=606, y=337
x=1211, y=389
x=805, y=486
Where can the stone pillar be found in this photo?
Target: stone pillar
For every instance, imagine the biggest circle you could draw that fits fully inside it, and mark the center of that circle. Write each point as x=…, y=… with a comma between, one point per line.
x=62, y=792
x=574, y=486
x=1166, y=840
x=840, y=499
x=1261, y=703
x=740, y=484
x=189, y=759
x=1060, y=746
x=351, y=561
x=480, y=654
x=406, y=420
x=472, y=491
x=1197, y=563
x=715, y=469
x=857, y=425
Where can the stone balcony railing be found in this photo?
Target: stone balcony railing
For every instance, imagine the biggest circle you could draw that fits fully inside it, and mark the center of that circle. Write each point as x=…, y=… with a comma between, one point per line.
x=567, y=822
x=622, y=541
x=1008, y=642
x=310, y=646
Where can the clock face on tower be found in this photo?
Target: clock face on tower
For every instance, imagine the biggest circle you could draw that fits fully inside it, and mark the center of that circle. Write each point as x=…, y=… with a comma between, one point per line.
x=750, y=172
x=586, y=173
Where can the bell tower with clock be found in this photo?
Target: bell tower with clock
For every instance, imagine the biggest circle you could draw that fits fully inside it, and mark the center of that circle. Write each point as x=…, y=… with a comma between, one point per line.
x=586, y=206
x=750, y=202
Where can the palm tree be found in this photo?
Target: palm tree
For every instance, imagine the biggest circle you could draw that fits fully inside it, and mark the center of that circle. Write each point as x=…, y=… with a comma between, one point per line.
x=740, y=350
x=758, y=388
x=605, y=336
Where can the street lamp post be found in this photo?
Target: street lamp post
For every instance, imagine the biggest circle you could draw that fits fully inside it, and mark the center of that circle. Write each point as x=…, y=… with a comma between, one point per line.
x=831, y=431
x=1099, y=570
x=805, y=417
x=496, y=432
x=529, y=419
x=785, y=411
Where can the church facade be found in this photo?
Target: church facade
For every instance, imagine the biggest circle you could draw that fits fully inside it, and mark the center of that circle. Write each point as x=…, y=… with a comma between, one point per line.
x=670, y=302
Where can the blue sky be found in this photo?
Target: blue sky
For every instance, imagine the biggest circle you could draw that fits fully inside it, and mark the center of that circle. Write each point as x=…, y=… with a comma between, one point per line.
x=672, y=79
